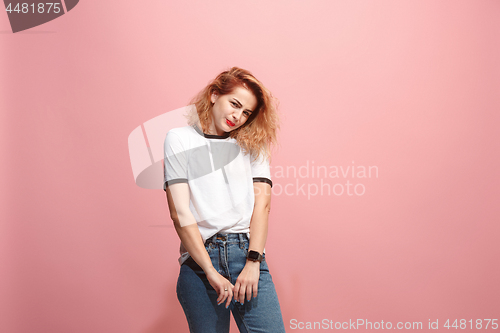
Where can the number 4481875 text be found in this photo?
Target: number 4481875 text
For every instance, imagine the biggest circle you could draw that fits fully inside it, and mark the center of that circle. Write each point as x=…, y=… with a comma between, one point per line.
x=41, y=8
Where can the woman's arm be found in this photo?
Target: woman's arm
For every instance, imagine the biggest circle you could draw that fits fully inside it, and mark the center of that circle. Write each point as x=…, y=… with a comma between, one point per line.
x=185, y=224
x=260, y=217
x=189, y=234
x=247, y=282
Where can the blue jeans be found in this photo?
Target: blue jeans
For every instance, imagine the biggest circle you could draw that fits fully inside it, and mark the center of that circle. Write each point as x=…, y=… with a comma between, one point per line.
x=199, y=299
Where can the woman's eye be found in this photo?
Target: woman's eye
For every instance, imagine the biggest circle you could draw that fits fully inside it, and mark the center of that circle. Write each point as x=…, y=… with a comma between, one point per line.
x=246, y=113
x=234, y=104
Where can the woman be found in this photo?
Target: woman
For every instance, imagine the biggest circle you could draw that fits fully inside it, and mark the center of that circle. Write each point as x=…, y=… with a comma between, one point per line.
x=218, y=187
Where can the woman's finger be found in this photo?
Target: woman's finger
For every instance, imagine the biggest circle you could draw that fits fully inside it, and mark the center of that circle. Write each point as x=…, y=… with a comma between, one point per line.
x=221, y=293
x=223, y=296
x=255, y=289
x=241, y=295
x=236, y=290
x=250, y=289
x=229, y=297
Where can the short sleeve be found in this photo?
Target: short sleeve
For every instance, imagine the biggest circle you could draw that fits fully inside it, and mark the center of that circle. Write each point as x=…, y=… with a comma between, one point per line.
x=260, y=170
x=174, y=161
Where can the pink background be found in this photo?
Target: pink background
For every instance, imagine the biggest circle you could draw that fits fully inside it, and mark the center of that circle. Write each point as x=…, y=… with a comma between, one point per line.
x=412, y=87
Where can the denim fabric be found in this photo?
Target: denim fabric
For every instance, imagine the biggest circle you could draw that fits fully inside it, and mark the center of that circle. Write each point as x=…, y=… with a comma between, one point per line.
x=199, y=300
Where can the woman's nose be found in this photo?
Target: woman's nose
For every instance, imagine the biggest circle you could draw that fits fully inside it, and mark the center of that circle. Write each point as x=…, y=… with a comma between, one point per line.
x=236, y=115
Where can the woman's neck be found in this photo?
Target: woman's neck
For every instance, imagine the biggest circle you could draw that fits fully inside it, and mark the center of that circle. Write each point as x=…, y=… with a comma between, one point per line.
x=211, y=131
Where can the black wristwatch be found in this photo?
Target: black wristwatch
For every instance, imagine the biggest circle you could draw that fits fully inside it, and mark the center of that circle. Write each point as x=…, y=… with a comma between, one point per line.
x=254, y=256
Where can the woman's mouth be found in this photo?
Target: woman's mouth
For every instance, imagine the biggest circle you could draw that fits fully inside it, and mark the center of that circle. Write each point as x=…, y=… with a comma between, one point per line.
x=229, y=123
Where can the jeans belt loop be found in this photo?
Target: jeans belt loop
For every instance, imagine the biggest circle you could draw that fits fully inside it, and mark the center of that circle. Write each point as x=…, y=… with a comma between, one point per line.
x=242, y=240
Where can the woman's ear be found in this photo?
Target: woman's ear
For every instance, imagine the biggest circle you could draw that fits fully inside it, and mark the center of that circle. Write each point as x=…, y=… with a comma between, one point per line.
x=214, y=97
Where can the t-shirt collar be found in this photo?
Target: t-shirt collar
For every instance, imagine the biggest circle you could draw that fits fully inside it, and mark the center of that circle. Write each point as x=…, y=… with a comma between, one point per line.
x=211, y=136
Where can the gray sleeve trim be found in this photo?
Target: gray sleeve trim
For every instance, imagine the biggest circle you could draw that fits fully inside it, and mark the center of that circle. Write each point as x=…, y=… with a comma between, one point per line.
x=173, y=181
x=263, y=180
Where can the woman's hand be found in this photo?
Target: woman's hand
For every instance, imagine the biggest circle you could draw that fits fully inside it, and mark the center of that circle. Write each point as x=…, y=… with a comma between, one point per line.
x=222, y=286
x=247, y=282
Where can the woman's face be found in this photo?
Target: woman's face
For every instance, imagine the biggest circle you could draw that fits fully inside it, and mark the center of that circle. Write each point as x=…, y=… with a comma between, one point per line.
x=231, y=111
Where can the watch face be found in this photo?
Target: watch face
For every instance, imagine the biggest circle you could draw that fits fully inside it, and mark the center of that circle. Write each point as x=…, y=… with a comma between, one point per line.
x=253, y=255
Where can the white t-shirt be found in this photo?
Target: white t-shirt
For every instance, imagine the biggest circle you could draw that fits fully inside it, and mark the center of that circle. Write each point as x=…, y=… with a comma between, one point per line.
x=220, y=179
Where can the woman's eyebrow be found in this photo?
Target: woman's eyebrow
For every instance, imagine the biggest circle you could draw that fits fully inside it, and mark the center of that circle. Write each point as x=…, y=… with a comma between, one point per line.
x=239, y=104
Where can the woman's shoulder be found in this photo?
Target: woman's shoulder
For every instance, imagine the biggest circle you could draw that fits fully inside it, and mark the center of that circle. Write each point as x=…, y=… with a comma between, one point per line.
x=180, y=137
x=182, y=132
